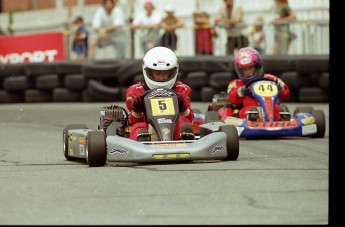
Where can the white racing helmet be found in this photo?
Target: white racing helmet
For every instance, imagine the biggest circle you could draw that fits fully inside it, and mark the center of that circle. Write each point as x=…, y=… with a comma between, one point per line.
x=160, y=58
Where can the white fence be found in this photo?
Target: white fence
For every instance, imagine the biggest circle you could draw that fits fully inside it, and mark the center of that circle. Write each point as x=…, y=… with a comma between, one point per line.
x=312, y=27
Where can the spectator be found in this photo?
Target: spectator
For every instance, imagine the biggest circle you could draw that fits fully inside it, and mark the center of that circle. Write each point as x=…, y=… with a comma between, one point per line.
x=147, y=25
x=231, y=18
x=108, y=23
x=204, y=34
x=160, y=68
x=282, y=33
x=257, y=35
x=170, y=23
x=80, y=39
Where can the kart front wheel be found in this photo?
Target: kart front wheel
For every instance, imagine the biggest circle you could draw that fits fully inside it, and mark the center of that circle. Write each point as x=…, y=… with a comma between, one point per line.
x=303, y=109
x=96, y=152
x=65, y=138
x=232, y=141
x=320, y=122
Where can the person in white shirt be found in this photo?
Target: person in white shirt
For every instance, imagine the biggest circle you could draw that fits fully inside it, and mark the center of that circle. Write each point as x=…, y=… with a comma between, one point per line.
x=108, y=22
x=146, y=25
x=257, y=35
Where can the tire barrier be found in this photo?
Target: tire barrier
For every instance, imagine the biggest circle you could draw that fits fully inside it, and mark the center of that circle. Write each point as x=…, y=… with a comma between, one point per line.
x=107, y=80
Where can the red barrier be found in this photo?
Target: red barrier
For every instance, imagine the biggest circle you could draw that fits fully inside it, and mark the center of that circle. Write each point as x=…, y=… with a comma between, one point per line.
x=32, y=48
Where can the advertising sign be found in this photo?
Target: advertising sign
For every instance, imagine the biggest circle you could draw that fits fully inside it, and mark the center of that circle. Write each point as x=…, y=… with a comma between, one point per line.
x=32, y=48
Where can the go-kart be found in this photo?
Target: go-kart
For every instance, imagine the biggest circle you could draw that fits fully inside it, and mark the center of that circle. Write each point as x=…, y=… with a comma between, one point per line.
x=305, y=120
x=111, y=142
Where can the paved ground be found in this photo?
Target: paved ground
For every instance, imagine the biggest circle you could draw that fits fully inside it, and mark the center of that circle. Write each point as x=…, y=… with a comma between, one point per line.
x=283, y=181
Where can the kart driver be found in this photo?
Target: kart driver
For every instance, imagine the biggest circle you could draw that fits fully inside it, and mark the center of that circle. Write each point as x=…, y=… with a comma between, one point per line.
x=249, y=66
x=160, y=68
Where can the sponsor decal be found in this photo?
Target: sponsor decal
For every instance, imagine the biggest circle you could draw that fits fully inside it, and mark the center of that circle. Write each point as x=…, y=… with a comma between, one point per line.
x=82, y=140
x=170, y=156
x=274, y=124
x=119, y=150
x=165, y=131
x=81, y=149
x=35, y=56
x=218, y=148
x=308, y=120
x=169, y=145
x=164, y=120
x=233, y=121
x=309, y=129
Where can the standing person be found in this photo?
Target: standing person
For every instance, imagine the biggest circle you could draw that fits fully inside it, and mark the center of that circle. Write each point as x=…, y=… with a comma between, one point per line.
x=147, y=26
x=108, y=22
x=231, y=18
x=170, y=23
x=249, y=66
x=160, y=68
x=204, y=34
x=282, y=33
x=257, y=35
x=80, y=39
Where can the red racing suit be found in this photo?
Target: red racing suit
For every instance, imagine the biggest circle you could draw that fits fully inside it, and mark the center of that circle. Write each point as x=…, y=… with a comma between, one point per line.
x=139, y=123
x=248, y=101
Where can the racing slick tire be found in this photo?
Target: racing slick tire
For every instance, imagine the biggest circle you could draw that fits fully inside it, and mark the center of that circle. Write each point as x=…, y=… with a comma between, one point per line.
x=96, y=153
x=232, y=141
x=320, y=122
x=65, y=138
x=303, y=109
x=211, y=116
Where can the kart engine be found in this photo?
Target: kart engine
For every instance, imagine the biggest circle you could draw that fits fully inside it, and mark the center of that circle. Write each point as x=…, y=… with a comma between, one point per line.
x=114, y=113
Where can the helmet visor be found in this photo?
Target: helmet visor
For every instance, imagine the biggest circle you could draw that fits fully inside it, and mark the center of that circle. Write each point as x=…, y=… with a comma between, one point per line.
x=161, y=75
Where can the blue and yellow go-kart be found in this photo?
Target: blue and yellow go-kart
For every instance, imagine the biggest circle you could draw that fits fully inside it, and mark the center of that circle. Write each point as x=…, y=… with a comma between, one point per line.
x=111, y=141
x=305, y=121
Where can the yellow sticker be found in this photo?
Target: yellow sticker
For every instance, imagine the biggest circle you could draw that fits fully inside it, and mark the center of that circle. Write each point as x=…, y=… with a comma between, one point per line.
x=162, y=106
x=169, y=156
x=265, y=89
x=308, y=120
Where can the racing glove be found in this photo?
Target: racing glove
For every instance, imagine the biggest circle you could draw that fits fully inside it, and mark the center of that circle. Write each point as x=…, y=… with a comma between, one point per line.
x=182, y=103
x=279, y=82
x=243, y=91
x=138, y=104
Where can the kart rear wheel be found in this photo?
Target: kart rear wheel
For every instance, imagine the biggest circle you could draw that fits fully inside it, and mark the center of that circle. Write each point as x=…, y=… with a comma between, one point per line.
x=65, y=138
x=303, y=109
x=320, y=122
x=211, y=116
x=96, y=152
x=232, y=141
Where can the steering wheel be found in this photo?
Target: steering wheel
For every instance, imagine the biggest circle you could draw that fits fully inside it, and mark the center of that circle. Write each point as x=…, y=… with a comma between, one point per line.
x=158, y=92
x=259, y=79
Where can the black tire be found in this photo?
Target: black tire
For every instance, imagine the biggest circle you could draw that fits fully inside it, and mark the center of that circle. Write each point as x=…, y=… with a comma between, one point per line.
x=207, y=94
x=65, y=138
x=104, y=92
x=96, y=152
x=75, y=82
x=303, y=109
x=211, y=116
x=34, y=95
x=65, y=95
x=39, y=68
x=48, y=82
x=320, y=122
x=17, y=83
x=232, y=141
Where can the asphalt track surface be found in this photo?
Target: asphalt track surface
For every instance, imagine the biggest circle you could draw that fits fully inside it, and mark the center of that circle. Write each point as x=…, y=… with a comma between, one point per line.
x=273, y=182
